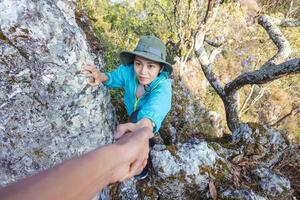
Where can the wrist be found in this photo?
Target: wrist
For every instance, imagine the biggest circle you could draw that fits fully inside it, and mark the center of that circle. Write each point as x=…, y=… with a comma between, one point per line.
x=147, y=123
x=104, y=77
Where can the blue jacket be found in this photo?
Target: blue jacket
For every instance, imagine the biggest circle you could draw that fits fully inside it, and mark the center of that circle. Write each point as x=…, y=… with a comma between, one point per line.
x=156, y=101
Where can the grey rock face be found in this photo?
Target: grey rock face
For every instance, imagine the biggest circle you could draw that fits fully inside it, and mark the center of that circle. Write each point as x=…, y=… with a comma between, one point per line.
x=184, y=170
x=254, y=139
x=241, y=194
x=188, y=158
x=273, y=184
x=188, y=115
x=47, y=111
x=243, y=133
x=128, y=190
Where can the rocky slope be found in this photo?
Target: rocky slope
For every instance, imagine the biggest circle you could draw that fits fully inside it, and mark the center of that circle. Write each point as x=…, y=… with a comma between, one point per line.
x=48, y=114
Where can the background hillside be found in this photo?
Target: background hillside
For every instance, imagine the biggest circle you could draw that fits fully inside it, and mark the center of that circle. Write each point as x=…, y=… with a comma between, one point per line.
x=119, y=24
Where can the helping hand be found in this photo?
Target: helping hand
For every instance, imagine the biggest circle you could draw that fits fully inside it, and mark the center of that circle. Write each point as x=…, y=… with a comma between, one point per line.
x=122, y=129
x=129, y=127
x=136, y=146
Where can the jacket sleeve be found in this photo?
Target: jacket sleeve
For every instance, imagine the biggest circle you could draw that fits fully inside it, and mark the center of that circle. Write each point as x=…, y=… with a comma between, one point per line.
x=116, y=78
x=158, y=105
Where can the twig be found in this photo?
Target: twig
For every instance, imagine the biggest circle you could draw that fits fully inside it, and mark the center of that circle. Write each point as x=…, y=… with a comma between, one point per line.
x=246, y=100
x=268, y=73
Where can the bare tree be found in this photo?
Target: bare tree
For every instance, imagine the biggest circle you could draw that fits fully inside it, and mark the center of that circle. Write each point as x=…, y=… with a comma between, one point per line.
x=275, y=68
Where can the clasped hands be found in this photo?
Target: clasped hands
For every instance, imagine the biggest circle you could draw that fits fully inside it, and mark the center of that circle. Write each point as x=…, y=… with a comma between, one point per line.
x=136, y=137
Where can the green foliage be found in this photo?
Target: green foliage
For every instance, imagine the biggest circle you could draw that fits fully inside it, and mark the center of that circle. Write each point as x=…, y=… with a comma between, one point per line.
x=288, y=7
x=119, y=26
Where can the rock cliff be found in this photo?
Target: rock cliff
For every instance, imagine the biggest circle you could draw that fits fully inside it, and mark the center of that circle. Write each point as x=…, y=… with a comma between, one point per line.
x=48, y=114
x=47, y=111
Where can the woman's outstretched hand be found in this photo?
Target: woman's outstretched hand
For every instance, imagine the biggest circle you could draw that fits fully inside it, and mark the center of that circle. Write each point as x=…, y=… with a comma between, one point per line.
x=96, y=77
x=130, y=127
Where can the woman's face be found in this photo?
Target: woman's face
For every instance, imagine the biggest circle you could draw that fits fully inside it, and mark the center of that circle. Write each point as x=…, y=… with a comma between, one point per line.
x=145, y=70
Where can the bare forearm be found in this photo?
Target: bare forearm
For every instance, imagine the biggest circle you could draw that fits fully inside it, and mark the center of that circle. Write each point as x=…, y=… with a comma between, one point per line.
x=78, y=178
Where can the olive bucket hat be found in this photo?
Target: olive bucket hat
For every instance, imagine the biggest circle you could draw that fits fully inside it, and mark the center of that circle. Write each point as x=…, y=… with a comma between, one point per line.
x=151, y=48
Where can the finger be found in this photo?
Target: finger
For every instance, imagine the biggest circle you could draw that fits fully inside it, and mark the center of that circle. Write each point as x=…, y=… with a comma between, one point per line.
x=89, y=67
x=122, y=129
x=86, y=74
x=127, y=127
x=144, y=163
x=136, y=167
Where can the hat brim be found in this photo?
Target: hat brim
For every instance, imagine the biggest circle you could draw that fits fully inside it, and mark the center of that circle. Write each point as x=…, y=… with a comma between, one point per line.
x=126, y=58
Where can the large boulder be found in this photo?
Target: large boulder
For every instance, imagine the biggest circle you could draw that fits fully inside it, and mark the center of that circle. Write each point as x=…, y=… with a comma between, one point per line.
x=48, y=113
x=239, y=167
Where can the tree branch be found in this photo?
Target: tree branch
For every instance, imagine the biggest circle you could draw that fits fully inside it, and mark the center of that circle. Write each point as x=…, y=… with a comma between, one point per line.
x=264, y=75
x=206, y=66
x=200, y=52
x=210, y=6
x=214, y=54
x=284, y=47
x=216, y=43
x=290, y=23
x=245, y=103
x=170, y=25
x=211, y=13
x=285, y=22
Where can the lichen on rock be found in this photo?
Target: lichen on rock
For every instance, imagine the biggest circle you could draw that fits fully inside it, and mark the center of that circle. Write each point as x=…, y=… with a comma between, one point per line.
x=48, y=113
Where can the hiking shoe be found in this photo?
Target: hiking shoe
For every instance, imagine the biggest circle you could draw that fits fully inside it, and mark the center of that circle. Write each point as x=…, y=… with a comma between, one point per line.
x=143, y=174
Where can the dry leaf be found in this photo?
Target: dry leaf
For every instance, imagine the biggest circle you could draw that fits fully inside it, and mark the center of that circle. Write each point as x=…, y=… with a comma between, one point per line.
x=212, y=190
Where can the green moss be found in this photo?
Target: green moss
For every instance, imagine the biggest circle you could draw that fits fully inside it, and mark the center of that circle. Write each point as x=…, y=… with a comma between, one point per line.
x=230, y=198
x=173, y=150
x=253, y=149
x=230, y=145
x=20, y=36
x=38, y=153
x=149, y=191
x=219, y=171
x=7, y=41
x=161, y=170
x=214, y=146
x=4, y=38
x=24, y=30
x=222, y=165
x=51, y=88
x=203, y=169
x=179, y=177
